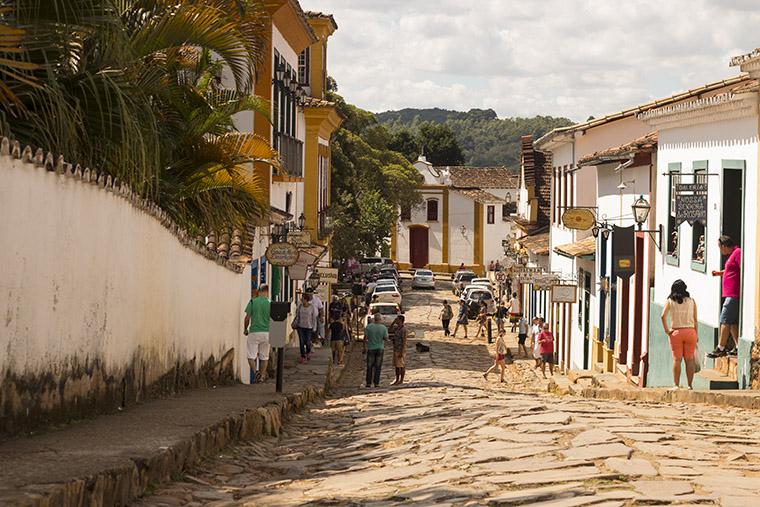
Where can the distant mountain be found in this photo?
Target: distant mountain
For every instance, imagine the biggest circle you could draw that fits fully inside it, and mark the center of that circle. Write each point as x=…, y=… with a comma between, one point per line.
x=485, y=139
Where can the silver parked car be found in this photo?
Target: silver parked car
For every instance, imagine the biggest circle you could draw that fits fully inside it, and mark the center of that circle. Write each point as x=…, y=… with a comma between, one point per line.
x=423, y=279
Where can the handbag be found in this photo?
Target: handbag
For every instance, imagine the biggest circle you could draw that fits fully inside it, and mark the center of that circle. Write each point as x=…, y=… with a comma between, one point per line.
x=293, y=324
x=697, y=359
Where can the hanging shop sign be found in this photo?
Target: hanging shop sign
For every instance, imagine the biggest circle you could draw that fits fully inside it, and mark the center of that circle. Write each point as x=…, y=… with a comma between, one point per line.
x=623, y=264
x=545, y=281
x=282, y=254
x=580, y=219
x=691, y=203
x=328, y=275
x=564, y=293
x=301, y=239
x=525, y=275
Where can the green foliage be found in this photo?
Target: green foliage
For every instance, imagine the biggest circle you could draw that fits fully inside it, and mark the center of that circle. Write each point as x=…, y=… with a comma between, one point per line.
x=485, y=140
x=370, y=182
x=128, y=87
x=404, y=142
x=439, y=144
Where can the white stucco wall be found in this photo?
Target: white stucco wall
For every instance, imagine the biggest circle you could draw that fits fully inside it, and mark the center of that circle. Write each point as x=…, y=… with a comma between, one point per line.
x=87, y=276
x=726, y=140
x=461, y=213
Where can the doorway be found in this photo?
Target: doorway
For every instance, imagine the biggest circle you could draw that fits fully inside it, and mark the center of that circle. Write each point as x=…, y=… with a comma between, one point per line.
x=732, y=212
x=586, y=309
x=418, y=246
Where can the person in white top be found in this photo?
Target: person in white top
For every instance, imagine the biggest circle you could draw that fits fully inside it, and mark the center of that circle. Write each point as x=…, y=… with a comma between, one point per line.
x=514, y=311
x=535, y=330
x=682, y=330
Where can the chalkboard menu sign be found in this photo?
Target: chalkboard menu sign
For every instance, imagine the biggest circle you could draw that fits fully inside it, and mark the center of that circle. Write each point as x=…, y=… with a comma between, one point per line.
x=691, y=203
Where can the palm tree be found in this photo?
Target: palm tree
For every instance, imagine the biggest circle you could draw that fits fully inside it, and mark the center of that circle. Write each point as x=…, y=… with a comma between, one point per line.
x=129, y=87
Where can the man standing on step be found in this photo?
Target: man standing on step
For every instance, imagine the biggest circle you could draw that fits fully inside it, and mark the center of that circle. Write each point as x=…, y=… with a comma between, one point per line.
x=375, y=335
x=729, y=314
x=256, y=327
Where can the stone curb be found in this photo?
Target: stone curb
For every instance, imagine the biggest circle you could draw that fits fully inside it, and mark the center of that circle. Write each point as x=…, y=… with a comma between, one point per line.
x=746, y=401
x=121, y=485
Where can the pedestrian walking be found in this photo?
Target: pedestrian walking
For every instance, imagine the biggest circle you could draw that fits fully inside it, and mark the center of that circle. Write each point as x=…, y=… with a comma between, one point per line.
x=336, y=333
x=304, y=323
x=535, y=331
x=546, y=341
x=399, y=349
x=462, y=319
x=446, y=315
x=482, y=319
x=522, y=336
x=729, y=314
x=682, y=331
x=319, y=325
x=514, y=311
x=501, y=315
x=375, y=335
x=500, y=359
x=256, y=328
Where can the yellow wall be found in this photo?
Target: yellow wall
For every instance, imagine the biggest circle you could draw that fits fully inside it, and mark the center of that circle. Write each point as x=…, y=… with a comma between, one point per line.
x=478, y=236
x=445, y=246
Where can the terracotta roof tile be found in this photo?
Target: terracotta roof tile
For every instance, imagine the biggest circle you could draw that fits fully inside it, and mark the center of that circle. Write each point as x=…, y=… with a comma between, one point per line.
x=582, y=248
x=480, y=177
x=647, y=143
x=538, y=244
x=480, y=196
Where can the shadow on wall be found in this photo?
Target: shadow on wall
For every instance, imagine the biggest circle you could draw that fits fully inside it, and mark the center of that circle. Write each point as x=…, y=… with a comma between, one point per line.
x=80, y=389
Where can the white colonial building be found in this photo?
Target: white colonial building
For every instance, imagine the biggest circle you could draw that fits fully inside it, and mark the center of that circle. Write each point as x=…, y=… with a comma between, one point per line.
x=464, y=218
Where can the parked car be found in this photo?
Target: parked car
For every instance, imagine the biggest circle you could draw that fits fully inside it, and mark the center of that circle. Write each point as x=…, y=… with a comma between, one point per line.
x=387, y=294
x=368, y=263
x=390, y=270
x=388, y=282
x=388, y=312
x=461, y=277
x=473, y=302
x=485, y=282
x=423, y=279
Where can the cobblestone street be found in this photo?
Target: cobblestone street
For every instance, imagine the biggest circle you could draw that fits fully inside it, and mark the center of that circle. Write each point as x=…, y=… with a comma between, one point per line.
x=449, y=437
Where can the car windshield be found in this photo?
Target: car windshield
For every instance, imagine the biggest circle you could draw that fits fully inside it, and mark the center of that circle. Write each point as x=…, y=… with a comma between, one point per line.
x=385, y=288
x=370, y=260
x=386, y=310
x=424, y=273
x=477, y=294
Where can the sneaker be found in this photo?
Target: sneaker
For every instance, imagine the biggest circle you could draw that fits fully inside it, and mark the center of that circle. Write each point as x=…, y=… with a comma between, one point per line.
x=717, y=353
x=302, y=360
x=733, y=352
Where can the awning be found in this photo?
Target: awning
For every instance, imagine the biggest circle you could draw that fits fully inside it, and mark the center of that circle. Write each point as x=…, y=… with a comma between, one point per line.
x=528, y=227
x=583, y=248
x=307, y=258
x=537, y=244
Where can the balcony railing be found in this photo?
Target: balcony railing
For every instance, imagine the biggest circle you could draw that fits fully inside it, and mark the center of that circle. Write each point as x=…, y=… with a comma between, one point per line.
x=291, y=155
x=324, y=226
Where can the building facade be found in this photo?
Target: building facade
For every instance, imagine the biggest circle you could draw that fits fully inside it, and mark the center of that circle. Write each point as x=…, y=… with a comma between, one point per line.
x=465, y=216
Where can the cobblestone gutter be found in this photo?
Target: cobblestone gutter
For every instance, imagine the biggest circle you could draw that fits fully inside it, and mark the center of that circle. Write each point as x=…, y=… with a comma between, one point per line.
x=119, y=486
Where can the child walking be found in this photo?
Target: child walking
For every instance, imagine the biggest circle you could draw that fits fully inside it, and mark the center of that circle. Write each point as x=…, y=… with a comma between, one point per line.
x=502, y=352
x=546, y=341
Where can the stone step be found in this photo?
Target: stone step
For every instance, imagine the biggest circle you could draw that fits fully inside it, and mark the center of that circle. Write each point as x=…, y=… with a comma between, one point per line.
x=727, y=366
x=714, y=380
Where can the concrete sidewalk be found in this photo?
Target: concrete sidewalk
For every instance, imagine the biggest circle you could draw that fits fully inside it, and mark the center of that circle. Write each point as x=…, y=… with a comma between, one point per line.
x=113, y=458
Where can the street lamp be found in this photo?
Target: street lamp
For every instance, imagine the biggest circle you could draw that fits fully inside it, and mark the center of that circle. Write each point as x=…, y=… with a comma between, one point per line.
x=279, y=72
x=293, y=85
x=641, y=210
x=286, y=78
x=302, y=221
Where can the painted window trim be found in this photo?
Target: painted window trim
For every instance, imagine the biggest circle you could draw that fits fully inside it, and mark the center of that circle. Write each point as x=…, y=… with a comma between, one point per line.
x=699, y=165
x=427, y=209
x=672, y=259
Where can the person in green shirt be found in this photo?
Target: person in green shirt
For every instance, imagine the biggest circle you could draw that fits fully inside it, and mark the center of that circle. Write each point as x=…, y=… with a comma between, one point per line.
x=375, y=335
x=256, y=327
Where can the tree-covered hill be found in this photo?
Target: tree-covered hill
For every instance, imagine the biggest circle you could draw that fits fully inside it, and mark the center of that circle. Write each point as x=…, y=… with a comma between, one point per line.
x=485, y=139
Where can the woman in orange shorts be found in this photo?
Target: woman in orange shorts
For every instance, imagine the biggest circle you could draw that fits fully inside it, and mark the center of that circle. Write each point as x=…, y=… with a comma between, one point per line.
x=682, y=330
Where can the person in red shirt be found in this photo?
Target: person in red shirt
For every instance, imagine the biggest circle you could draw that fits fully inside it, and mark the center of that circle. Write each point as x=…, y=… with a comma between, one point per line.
x=729, y=314
x=546, y=346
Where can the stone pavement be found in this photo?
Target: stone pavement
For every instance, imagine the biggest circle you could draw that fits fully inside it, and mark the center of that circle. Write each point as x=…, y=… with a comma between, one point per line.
x=111, y=458
x=448, y=437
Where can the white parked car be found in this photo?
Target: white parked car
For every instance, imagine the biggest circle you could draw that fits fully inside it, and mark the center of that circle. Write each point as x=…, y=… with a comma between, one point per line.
x=423, y=279
x=482, y=281
x=475, y=297
x=388, y=312
x=386, y=294
x=461, y=277
x=388, y=283
x=471, y=288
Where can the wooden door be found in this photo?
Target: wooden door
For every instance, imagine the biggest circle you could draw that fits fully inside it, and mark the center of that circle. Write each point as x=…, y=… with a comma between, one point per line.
x=418, y=247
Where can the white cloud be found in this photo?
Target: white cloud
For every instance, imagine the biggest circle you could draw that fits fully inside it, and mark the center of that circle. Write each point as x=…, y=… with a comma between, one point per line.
x=570, y=58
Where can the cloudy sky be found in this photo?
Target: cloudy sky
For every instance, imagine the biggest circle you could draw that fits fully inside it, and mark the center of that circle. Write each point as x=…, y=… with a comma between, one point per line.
x=571, y=58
